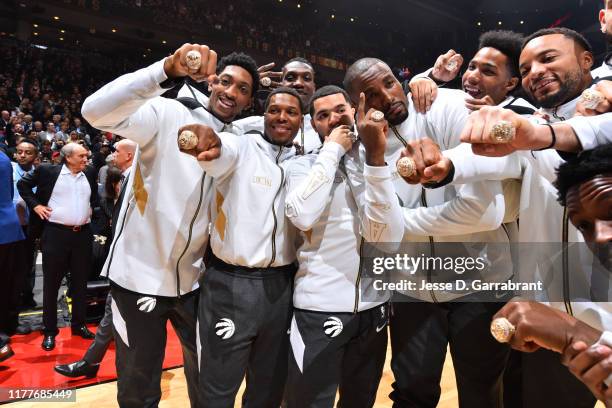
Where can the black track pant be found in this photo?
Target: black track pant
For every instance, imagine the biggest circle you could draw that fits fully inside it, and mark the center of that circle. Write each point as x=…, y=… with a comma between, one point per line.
x=139, y=329
x=420, y=335
x=332, y=351
x=243, y=321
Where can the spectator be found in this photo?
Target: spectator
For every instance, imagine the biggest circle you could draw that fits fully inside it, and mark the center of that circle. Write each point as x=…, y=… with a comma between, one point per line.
x=61, y=207
x=11, y=258
x=27, y=153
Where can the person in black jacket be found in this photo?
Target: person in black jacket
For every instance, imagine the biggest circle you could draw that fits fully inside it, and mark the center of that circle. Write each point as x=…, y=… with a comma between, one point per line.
x=61, y=210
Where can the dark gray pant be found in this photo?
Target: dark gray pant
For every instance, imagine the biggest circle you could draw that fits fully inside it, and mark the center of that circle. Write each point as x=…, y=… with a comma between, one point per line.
x=348, y=357
x=139, y=328
x=243, y=321
x=104, y=335
x=420, y=335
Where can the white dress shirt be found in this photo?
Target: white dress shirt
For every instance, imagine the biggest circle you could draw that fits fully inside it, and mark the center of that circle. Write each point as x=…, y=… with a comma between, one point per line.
x=70, y=199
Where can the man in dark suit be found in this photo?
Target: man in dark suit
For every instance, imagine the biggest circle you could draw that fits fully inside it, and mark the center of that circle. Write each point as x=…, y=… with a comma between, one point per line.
x=61, y=211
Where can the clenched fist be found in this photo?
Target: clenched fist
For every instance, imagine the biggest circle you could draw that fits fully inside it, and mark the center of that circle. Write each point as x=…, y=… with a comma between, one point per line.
x=181, y=63
x=208, y=145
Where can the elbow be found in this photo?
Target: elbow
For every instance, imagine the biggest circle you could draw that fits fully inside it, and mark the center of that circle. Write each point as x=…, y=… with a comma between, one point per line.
x=302, y=223
x=492, y=216
x=88, y=112
x=300, y=219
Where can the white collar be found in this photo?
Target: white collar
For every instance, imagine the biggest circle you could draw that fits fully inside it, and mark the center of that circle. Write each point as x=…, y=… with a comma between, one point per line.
x=66, y=170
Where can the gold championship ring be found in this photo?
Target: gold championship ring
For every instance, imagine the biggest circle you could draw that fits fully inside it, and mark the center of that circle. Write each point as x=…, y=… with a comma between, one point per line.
x=187, y=140
x=377, y=116
x=193, y=60
x=406, y=167
x=503, y=132
x=502, y=330
x=590, y=98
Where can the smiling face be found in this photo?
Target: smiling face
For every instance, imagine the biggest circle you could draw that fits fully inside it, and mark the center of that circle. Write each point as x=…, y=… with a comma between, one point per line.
x=554, y=69
x=299, y=76
x=282, y=118
x=382, y=92
x=488, y=74
x=77, y=160
x=231, y=92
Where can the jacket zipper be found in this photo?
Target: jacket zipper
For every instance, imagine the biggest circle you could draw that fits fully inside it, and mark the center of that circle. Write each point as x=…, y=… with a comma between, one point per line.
x=274, y=211
x=358, y=280
x=197, y=211
x=565, y=261
x=431, y=247
x=424, y=204
x=116, y=239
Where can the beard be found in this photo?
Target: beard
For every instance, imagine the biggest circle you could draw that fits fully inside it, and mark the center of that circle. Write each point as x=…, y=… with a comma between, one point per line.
x=569, y=89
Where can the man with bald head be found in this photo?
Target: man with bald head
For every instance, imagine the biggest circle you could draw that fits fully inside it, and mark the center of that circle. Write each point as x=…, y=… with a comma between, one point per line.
x=88, y=366
x=61, y=207
x=424, y=323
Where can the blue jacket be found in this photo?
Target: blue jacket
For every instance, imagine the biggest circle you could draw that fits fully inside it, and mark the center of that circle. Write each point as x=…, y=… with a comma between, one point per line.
x=10, y=230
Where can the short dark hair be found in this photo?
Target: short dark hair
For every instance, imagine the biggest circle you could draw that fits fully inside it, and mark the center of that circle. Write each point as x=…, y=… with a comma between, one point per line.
x=242, y=60
x=581, y=168
x=357, y=68
x=508, y=43
x=301, y=60
x=568, y=33
x=326, y=91
x=28, y=141
x=284, y=90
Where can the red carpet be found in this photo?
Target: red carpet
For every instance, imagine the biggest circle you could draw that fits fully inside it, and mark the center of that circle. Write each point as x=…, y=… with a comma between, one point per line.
x=31, y=366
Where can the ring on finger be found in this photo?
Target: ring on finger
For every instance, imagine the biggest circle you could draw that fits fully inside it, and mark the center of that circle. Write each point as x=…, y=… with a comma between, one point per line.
x=406, y=167
x=503, y=132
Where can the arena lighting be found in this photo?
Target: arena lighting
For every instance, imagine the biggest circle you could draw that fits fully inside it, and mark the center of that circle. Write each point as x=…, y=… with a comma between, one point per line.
x=352, y=19
x=164, y=42
x=522, y=22
x=35, y=25
x=114, y=30
x=299, y=5
x=333, y=16
x=499, y=23
x=42, y=47
x=35, y=33
x=61, y=38
x=62, y=31
x=56, y=18
x=479, y=24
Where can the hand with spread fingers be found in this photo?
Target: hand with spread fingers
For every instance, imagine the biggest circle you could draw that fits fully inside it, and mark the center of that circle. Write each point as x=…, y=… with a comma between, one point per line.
x=424, y=92
x=593, y=366
x=428, y=165
x=372, y=128
x=447, y=66
x=494, y=131
x=534, y=325
x=199, y=141
x=476, y=104
x=193, y=60
x=344, y=136
x=596, y=100
x=267, y=77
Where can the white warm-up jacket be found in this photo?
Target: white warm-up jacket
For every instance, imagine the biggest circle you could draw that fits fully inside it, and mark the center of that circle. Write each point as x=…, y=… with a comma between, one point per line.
x=162, y=230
